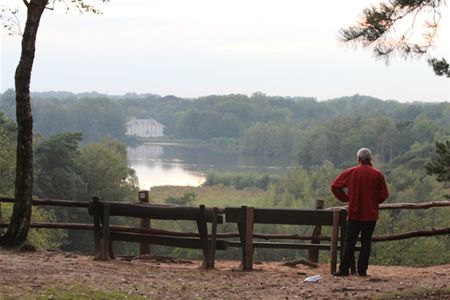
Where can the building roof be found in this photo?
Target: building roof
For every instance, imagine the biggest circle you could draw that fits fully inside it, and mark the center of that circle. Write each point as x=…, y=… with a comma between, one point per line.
x=143, y=122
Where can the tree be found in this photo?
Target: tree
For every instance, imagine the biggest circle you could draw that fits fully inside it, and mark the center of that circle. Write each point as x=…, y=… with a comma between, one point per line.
x=7, y=156
x=379, y=25
x=105, y=170
x=57, y=174
x=21, y=217
x=440, y=166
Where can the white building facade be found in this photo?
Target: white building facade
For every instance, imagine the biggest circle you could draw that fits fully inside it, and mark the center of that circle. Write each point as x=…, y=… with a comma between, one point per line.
x=145, y=128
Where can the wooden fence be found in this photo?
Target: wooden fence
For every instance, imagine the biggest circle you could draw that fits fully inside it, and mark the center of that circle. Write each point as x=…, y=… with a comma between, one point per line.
x=246, y=217
x=105, y=235
x=315, y=238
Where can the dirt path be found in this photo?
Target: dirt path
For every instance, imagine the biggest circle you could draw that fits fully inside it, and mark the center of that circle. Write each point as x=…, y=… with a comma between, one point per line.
x=55, y=275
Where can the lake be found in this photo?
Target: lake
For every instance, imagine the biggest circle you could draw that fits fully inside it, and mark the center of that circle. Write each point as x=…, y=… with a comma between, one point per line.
x=159, y=164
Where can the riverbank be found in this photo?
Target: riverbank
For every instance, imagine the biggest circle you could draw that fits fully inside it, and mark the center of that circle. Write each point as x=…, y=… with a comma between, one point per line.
x=221, y=144
x=188, y=164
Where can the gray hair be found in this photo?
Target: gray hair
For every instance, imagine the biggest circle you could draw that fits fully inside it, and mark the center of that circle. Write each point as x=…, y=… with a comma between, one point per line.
x=364, y=154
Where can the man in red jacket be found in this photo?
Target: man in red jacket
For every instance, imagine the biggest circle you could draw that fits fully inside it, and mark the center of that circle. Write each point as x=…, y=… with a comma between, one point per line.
x=366, y=189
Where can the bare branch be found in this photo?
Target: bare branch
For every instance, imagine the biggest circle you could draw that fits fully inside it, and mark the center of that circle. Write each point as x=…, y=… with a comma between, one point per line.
x=10, y=21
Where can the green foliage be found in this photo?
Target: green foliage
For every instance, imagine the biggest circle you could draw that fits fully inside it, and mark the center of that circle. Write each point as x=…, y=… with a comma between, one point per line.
x=440, y=66
x=80, y=292
x=41, y=238
x=240, y=180
x=406, y=185
x=270, y=140
x=264, y=125
x=218, y=195
x=338, y=140
x=186, y=199
x=95, y=118
x=63, y=171
x=414, y=159
x=207, y=124
x=299, y=188
x=104, y=168
x=424, y=129
x=416, y=293
x=8, y=126
x=8, y=103
x=7, y=155
x=224, y=144
x=57, y=174
x=440, y=166
x=408, y=182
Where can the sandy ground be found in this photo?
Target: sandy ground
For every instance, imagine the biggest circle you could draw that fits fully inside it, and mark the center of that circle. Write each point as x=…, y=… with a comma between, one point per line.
x=30, y=274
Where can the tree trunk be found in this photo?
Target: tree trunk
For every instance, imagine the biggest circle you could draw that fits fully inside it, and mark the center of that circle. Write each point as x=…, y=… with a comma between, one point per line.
x=21, y=217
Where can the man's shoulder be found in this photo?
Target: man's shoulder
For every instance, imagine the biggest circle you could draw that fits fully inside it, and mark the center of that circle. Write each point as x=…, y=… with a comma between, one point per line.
x=347, y=172
x=370, y=168
x=351, y=169
x=360, y=169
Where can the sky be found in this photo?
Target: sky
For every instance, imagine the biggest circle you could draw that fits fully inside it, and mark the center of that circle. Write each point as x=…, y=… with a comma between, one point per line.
x=204, y=47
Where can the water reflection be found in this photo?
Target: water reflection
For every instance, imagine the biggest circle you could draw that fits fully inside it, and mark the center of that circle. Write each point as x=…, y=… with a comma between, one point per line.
x=145, y=152
x=163, y=174
x=187, y=165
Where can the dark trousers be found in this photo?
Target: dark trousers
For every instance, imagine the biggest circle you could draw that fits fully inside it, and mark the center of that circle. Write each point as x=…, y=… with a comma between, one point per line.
x=366, y=229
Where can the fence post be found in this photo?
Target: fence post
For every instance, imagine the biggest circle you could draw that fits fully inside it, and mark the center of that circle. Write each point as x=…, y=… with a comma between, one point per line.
x=248, y=266
x=313, y=254
x=212, y=246
x=1, y=217
x=245, y=226
x=144, y=248
x=105, y=232
x=97, y=228
x=334, y=240
x=203, y=233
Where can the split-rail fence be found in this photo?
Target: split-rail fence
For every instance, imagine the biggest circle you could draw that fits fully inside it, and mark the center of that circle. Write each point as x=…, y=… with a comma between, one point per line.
x=244, y=217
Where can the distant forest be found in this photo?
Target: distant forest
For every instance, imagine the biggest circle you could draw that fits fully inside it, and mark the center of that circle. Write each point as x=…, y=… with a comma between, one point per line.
x=305, y=129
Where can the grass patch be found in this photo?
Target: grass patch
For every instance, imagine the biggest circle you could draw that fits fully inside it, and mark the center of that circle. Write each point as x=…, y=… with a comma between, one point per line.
x=240, y=180
x=219, y=196
x=87, y=295
x=420, y=293
x=70, y=292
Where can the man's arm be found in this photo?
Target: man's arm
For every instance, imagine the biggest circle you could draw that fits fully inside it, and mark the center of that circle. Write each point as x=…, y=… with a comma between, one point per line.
x=339, y=194
x=338, y=185
x=384, y=193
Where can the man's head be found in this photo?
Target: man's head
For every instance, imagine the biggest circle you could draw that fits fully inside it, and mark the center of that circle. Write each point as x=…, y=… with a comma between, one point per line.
x=364, y=155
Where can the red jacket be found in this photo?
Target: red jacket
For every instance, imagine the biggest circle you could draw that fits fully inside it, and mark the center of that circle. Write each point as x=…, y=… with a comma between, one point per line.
x=366, y=188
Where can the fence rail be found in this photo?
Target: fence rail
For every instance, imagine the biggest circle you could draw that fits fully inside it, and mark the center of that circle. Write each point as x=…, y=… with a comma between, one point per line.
x=51, y=202
x=379, y=238
x=231, y=235
x=423, y=205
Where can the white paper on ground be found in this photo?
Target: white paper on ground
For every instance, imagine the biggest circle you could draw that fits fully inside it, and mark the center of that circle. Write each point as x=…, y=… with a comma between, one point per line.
x=314, y=278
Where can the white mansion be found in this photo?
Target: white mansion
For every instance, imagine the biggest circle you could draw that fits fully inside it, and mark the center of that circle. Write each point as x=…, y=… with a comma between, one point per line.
x=144, y=128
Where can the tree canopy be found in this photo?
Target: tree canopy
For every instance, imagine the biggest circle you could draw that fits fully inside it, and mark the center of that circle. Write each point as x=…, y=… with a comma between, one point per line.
x=440, y=165
x=8, y=131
